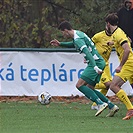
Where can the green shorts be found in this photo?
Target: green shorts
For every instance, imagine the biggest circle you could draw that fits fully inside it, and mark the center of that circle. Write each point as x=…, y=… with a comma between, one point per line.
x=90, y=75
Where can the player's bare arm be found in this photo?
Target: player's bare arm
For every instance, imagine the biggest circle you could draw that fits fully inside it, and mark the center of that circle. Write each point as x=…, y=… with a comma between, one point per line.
x=126, y=48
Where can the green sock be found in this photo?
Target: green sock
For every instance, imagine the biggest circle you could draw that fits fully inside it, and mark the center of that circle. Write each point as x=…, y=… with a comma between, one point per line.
x=104, y=99
x=90, y=94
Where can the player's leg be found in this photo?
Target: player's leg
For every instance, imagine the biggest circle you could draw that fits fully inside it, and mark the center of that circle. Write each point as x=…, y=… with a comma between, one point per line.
x=116, y=82
x=90, y=94
x=88, y=77
x=100, y=85
x=113, y=108
x=104, y=83
x=102, y=88
x=125, y=74
x=106, y=79
x=90, y=85
x=87, y=91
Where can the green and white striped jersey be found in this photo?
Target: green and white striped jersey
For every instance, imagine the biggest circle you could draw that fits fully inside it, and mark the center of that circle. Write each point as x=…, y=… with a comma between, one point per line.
x=85, y=45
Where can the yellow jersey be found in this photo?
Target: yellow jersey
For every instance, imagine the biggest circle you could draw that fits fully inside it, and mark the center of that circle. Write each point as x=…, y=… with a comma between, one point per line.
x=119, y=37
x=101, y=39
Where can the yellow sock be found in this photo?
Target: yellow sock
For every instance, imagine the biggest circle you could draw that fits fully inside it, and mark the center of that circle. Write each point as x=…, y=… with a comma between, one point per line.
x=94, y=104
x=123, y=97
x=104, y=91
x=99, y=86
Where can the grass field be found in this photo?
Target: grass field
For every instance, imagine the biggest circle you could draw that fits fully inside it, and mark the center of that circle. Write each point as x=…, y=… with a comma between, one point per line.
x=60, y=117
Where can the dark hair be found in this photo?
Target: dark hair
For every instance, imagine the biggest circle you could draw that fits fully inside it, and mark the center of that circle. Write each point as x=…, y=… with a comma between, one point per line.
x=64, y=25
x=112, y=19
x=127, y=1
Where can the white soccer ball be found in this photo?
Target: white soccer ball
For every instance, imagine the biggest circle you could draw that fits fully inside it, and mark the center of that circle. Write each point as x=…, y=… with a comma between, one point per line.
x=44, y=98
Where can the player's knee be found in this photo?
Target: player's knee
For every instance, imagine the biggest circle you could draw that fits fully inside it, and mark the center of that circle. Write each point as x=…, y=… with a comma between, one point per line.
x=107, y=84
x=78, y=85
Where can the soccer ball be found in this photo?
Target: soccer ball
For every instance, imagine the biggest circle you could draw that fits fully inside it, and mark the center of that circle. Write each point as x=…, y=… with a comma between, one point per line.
x=44, y=98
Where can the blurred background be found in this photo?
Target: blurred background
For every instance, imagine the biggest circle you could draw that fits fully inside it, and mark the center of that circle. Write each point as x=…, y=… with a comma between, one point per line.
x=33, y=23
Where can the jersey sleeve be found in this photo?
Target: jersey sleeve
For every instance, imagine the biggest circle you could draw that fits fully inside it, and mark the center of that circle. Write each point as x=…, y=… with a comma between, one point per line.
x=83, y=48
x=94, y=38
x=121, y=37
x=79, y=43
x=88, y=56
x=67, y=44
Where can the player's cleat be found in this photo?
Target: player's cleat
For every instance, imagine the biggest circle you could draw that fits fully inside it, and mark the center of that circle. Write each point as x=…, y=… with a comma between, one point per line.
x=101, y=108
x=94, y=106
x=128, y=115
x=113, y=111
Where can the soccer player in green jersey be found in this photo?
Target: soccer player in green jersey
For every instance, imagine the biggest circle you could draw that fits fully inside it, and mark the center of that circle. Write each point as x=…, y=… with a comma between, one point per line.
x=124, y=71
x=95, y=65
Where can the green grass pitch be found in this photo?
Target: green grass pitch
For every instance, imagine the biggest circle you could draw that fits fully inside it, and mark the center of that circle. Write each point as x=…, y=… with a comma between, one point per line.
x=60, y=117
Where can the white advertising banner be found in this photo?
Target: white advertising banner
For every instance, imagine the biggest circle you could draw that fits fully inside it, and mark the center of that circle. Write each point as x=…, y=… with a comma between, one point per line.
x=29, y=73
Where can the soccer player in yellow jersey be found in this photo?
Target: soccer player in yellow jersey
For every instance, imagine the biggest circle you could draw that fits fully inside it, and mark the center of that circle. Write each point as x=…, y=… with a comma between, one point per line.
x=100, y=40
x=124, y=71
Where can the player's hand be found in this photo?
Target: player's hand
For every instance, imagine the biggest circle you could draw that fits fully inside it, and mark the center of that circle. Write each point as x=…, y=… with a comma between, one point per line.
x=110, y=43
x=55, y=42
x=118, y=69
x=85, y=61
x=98, y=70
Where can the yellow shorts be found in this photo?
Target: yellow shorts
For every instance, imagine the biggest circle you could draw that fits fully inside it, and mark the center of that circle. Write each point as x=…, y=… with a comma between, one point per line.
x=127, y=72
x=106, y=77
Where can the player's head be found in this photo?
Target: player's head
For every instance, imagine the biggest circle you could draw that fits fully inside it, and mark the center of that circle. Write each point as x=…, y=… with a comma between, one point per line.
x=64, y=25
x=128, y=4
x=112, y=19
x=65, y=28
